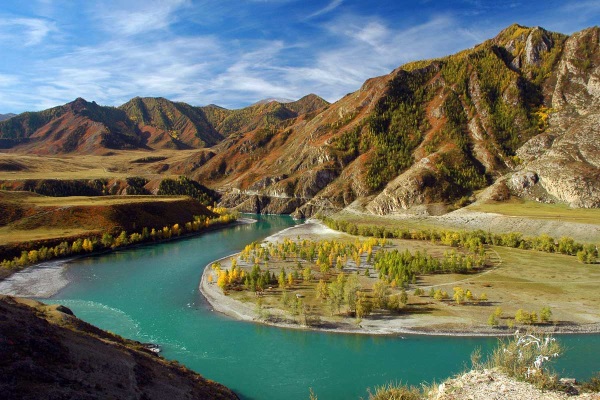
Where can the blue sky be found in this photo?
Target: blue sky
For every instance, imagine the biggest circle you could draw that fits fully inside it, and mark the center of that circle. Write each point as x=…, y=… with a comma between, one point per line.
x=234, y=53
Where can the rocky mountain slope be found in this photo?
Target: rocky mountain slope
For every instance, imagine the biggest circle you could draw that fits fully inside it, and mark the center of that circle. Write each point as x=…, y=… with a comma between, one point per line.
x=81, y=127
x=77, y=127
x=516, y=112
x=169, y=124
x=48, y=353
x=515, y=115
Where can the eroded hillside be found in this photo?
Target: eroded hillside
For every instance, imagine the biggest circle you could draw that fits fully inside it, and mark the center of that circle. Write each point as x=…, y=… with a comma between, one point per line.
x=516, y=112
x=516, y=115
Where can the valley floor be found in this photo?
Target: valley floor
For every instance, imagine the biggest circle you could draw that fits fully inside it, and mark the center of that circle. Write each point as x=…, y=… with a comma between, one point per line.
x=550, y=279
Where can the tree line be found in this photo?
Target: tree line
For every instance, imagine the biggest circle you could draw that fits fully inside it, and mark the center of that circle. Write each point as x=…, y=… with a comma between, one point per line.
x=585, y=253
x=108, y=241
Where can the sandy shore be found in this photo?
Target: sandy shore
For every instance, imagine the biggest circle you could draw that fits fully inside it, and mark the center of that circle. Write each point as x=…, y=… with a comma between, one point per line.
x=42, y=280
x=372, y=325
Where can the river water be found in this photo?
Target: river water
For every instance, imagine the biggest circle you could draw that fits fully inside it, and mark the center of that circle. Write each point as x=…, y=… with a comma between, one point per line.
x=150, y=294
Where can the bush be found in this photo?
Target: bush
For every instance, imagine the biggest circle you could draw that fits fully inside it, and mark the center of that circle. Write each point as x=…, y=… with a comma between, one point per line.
x=526, y=357
x=395, y=392
x=593, y=385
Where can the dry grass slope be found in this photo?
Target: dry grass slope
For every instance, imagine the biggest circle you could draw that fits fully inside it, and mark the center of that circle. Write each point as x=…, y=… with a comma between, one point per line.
x=60, y=356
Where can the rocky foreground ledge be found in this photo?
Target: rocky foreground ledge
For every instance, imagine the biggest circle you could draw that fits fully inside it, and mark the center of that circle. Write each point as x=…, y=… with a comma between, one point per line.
x=494, y=385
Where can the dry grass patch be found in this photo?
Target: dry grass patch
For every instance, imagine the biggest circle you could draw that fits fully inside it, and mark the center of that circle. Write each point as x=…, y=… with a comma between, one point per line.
x=535, y=210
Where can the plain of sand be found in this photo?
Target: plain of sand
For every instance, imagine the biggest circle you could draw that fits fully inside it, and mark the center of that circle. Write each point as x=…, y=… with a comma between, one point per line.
x=373, y=325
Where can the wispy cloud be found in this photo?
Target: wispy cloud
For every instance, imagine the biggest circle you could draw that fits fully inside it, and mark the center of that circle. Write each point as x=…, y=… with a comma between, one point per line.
x=27, y=31
x=136, y=17
x=120, y=69
x=235, y=53
x=327, y=9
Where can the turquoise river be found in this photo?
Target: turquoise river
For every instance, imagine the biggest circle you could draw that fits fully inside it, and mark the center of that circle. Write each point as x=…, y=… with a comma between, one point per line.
x=150, y=293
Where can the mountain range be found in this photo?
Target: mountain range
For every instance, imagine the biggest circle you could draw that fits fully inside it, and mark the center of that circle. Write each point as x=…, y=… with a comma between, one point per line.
x=515, y=115
x=6, y=116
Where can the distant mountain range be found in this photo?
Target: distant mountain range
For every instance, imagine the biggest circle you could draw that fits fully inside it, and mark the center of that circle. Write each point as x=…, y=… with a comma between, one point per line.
x=517, y=114
x=273, y=99
x=151, y=123
x=6, y=116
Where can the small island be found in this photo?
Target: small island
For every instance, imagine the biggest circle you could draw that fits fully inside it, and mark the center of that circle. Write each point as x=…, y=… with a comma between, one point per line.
x=441, y=283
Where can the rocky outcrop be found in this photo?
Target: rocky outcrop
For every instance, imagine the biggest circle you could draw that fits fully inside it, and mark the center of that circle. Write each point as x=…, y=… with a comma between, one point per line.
x=260, y=204
x=566, y=158
x=492, y=384
x=404, y=192
x=47, y=353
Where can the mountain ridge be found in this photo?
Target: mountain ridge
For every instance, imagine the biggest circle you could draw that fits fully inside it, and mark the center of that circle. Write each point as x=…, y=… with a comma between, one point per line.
x=515, y=115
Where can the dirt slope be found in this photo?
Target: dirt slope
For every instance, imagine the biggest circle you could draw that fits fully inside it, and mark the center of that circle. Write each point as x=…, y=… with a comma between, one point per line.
x=47, y=353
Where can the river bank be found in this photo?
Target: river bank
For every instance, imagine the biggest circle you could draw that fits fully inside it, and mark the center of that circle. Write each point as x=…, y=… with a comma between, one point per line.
x=46, y=279
x=150, y=294
x=375, y=324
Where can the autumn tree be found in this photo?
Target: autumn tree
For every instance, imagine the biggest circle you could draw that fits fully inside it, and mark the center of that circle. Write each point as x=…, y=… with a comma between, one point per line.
x=335, y=294
x=459, y=295
x=363, y=305
x=546, y=314
x=381, y=290
x=307, y=274
x=281, y=279
x=350, y=291
x=321, y=290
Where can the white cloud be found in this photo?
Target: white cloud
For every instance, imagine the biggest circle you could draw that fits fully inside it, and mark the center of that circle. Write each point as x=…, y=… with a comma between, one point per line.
x=327, y=9
x=26, y=31
x=8, y=80
x=207, y=69
x=135, y=17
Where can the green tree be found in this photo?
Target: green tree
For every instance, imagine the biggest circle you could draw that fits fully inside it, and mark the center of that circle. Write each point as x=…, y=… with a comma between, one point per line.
x=492, y=320
x=281, y=279
x=121, y=240
x=307, y=274
x=107, y=240
x=335, y=294
x=403, y=297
